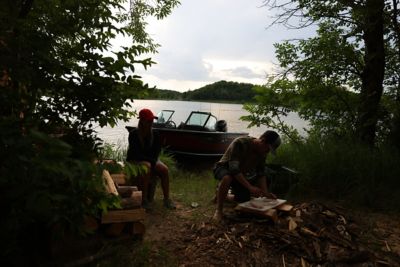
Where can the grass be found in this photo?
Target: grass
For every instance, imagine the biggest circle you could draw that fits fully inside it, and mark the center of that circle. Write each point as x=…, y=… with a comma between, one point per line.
x=345, y=171
x=334, y=170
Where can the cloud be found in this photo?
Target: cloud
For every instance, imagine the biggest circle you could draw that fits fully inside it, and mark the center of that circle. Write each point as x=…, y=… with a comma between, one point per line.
x=243, y=72
x=239, y=70
x=210, y=40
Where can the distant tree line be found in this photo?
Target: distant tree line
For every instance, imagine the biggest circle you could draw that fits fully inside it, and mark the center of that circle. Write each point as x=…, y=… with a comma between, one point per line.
x=225, y=91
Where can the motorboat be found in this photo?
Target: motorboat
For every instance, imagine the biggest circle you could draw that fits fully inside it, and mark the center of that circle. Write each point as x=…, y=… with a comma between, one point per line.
x=201, y=135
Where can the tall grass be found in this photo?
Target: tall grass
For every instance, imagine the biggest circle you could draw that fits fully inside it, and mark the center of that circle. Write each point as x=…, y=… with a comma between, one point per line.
x=113, y=151
x=345, y=170
x=337, y=170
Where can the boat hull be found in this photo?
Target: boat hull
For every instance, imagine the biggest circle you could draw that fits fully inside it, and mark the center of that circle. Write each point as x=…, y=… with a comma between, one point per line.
x=196, y=143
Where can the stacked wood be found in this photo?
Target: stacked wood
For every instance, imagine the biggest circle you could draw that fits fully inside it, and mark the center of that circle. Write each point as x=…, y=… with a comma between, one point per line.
x=130, y=217
x=119, y=178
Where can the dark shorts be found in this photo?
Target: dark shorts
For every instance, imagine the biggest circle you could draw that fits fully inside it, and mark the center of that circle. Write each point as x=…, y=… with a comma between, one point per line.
x=242, y=194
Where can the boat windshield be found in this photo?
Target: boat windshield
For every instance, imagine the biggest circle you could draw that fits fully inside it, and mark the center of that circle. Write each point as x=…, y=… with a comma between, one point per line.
x=164, y=116
x=201, y=119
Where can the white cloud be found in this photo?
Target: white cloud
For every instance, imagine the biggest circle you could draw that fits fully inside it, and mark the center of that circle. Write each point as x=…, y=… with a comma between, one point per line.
x=238, y=70
x=210, y=40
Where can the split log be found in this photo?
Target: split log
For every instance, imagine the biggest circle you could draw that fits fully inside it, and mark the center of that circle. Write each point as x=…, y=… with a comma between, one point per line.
x=272, y=214
x=138, y=228
x=126, y=191
x=119, y=178
x=109, y=183
x=285, y=207
x=134, y=201
x=115, y=216
x=115, y=229
x=137, y=196
x=130, y=203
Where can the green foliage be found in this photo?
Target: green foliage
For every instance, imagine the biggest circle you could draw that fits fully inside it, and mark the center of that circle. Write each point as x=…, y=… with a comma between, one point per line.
x=163, y=94
x=59, y=76
x=133, y=170
x=222, y=91
x=331, y=79
x=274, y=102
x=42, y=186
x=345, y=170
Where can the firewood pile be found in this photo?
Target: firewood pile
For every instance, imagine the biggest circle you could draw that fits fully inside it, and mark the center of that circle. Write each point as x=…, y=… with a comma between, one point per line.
x=130, y=217
x=310, y=234
x=122, y=224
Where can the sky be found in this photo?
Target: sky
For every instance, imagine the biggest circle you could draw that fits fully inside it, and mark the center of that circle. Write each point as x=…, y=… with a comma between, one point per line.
x=205, y=41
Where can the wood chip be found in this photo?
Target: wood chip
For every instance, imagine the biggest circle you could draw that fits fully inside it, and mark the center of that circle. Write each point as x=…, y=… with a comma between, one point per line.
x=292, y=224
x=308, y=231
x=304, y=263
x=387, y=246
x=227, y=238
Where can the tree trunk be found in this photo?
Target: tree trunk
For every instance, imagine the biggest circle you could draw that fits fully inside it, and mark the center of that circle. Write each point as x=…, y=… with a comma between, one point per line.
x=395, y=131
x=373, y=73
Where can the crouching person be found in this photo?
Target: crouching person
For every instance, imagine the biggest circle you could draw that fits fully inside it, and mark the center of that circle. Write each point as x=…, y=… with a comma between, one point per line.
x=242, y=167
x=144, y=148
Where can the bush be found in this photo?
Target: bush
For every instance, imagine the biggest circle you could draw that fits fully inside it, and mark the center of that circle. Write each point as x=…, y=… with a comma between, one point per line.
x=43, y=187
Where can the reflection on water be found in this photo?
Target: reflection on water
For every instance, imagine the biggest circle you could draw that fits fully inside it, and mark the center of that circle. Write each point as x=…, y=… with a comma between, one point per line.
x=229, y=112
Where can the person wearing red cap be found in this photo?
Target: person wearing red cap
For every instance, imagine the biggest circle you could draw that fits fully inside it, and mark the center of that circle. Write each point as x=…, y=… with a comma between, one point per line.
x=144, y=148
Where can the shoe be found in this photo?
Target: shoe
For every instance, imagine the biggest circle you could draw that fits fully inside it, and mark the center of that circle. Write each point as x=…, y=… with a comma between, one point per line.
x=169, y=204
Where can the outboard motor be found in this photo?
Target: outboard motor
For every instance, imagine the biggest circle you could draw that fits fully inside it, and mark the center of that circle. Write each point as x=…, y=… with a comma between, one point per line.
x=221, y=126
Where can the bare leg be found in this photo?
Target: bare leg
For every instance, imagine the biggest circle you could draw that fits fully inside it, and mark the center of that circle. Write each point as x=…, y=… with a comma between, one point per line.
x=221, y=195
x=143, y=181
x=162, y=171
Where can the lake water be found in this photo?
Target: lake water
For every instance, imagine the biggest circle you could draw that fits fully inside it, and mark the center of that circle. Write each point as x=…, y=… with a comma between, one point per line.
x=229, y=112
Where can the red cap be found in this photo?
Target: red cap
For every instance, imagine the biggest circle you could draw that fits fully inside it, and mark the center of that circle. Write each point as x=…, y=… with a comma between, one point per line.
x=146, y=114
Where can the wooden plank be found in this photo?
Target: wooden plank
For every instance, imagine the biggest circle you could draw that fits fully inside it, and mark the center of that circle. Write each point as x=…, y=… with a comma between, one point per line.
x=130, y=203
x=115, y=229
x=115, y=216
x=137, y=195
x=119, y=178
x=133, y=201
x=126, y=191
x=138, y=228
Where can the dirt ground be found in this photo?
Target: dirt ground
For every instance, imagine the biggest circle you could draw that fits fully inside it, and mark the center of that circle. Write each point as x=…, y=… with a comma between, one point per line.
x=311, y=234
